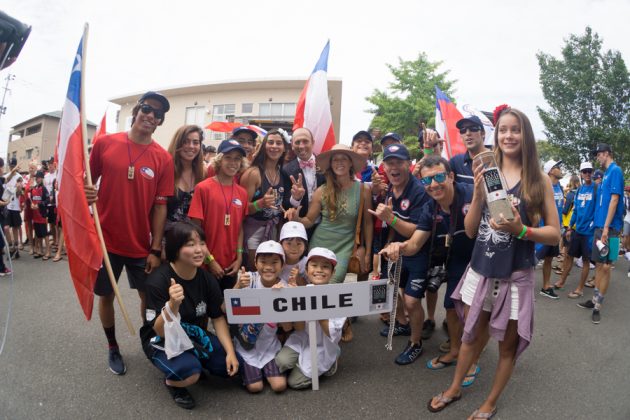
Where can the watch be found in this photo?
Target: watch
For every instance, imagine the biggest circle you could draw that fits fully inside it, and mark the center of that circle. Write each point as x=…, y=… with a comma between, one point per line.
x=156, y=252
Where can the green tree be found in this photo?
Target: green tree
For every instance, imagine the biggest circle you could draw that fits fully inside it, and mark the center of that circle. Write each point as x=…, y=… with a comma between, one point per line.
x=588, y=92
x=409, y=99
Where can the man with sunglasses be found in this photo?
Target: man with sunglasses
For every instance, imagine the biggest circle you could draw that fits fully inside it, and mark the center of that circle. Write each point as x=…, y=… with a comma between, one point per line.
x=246, y=138
x=136, y=177
x=440, y=233
x=548, y=252
x=580, y=230
x=401, y=212
x=473, y=135
x=608, y=221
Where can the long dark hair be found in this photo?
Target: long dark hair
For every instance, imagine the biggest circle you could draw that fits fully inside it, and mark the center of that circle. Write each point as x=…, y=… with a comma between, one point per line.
x=261, y=156
x=175, y=146
x=178, y=235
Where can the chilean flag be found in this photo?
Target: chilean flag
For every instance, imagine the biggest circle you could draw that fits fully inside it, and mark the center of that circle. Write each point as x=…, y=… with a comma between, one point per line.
x=84, y=249
x=313, y=107
x=446, y=116
x=245, y=306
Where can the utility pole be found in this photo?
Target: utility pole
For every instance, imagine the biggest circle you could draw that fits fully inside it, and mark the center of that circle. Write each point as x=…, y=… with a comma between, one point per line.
x=3, y=109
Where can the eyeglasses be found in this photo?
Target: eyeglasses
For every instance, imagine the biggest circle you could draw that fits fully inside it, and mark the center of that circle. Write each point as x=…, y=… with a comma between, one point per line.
x=147, y=109
x=473, y=129
x=439, y=178
x=587, y=171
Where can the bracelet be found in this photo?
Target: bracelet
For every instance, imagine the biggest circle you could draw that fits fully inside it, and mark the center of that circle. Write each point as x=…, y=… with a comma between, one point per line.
x=427, y=151
x=256, y=205
x=156, y=252
x=209, y=258
x=393, y=223
x=239, y=250
x=523, y=233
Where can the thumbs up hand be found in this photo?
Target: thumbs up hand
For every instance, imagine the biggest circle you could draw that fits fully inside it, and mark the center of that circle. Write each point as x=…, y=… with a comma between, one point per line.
x=176, y=294
x=269, y=199
x=244, y=278
x=293, y=275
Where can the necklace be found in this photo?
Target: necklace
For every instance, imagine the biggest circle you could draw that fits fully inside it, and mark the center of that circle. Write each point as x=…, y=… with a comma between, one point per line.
x=228, y=204
x=131, y=169
x=272, y=180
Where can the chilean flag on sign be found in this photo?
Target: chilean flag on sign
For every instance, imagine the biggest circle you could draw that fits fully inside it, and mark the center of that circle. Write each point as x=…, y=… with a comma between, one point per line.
x=245, y=306
x=313, y=107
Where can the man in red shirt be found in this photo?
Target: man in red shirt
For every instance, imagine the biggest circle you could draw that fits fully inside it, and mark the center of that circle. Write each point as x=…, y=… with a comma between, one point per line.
x=136, y=177
x=219, y=206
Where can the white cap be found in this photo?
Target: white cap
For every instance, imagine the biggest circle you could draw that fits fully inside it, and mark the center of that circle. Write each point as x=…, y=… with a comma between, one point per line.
x=324, y=253
x=550, y=164
x=270, y=247
x=585, y=165
x=293, y=230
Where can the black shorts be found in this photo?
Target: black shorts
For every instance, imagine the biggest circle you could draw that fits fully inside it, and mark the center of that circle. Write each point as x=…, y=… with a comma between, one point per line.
x=41, y=230
x=14, y=219
x=135, y=274
x=52, y=215
x=548, y=251
x=580, y=246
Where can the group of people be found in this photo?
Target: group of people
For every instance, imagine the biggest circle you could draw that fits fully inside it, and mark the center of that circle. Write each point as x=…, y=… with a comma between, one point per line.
x=268, y=212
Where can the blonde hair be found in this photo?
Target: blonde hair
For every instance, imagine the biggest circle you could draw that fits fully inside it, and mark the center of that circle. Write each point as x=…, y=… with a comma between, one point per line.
x=332, y=188
x=216, y=163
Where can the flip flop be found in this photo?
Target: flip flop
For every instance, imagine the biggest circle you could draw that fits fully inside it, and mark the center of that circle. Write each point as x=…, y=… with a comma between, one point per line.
x=440, y=364
x=37, y=255
x=575, y=295
x=555, y=286
x=45, y=258
x=479, y=415
x=442, y=400
x=470, y=378
x=57, y=259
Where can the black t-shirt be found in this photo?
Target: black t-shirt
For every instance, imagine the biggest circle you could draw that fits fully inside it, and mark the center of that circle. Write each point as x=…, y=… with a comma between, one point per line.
x=202, y=297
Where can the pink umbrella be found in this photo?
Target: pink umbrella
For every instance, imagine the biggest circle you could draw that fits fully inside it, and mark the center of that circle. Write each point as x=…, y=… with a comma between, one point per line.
x=223, y=126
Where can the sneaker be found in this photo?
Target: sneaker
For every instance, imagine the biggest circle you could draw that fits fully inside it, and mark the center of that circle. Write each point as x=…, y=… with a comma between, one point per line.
x=332, y=370
x=399, y=329
x=409, y=354
x=116, y=363
x=586, y=304
x=5, y=272
x=579, y=263
x=596, y=317
x=427, y=329
x=549, y=293
x=181, y=396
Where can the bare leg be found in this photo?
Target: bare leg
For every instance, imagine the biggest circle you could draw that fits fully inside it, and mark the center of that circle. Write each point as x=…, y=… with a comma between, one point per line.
x=566, y=270
x=431, y=305
x=416, y=317
x=192, y=379
x=546, y=269
x=106, y=310
x=400, y=310
x=143, y=306
x=278, y=383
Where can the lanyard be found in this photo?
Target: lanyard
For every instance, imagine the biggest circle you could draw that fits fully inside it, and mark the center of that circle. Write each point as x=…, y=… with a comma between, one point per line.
x=228, y=204
x=131, y=169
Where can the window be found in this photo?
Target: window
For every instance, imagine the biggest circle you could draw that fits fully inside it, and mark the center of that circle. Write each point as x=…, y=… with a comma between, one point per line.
x=29, y=154
x=14, y=155
x=271, y=109
x=223, y=112
x=33, y=129
x=196, y=115
x=247, y=108
x=16, y=135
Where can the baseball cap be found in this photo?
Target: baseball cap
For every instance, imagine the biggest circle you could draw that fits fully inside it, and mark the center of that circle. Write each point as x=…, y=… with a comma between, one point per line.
x=324, y=253
x=550, y=164
x=585, y=165
x=158, y=97
x=601, y=147
x=362, y=133
x=270, y=247
x=473, y=119
x=391, y=135
x=227, y=146
x=293, y=230
x=396, y=151
x=246, y=130
x=598, y=174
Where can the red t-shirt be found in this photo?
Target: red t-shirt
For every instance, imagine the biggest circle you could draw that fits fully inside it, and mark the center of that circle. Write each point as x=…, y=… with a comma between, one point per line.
x=124, y=205
x=209, y=206
x=36, y=197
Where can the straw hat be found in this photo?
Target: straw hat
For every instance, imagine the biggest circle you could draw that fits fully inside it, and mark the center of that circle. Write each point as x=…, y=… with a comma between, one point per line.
x=358, y=162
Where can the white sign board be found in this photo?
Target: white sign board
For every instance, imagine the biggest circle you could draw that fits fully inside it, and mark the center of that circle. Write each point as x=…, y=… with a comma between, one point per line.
x=308, y=303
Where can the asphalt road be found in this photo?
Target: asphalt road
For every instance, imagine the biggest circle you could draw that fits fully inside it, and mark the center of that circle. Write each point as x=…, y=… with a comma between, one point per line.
x=54, y=366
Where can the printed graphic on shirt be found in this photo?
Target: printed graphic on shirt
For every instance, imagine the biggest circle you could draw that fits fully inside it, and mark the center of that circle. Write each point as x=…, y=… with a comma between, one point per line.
x=147, y=172
x=201, y=309
x=499, y=239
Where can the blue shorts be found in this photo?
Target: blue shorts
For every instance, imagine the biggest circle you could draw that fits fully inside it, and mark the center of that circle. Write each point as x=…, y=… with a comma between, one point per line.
x=547, y=251
x=455, y=273
x=613, y=247
x=413, y=277
x=187, y=364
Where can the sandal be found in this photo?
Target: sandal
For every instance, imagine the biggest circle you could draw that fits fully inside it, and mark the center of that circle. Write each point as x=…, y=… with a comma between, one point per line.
x=557, y=287
x=440, y=364
x=37, y=255
x=479, y=415
x=575, y=294
x=470, y=378
x=45, y=257
x=57, y=258
x=445, y=401
x=589, y=284
x=346, y=332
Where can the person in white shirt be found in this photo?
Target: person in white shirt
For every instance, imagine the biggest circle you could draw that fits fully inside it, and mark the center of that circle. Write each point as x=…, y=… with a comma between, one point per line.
x=13, y=189
x=295, y=355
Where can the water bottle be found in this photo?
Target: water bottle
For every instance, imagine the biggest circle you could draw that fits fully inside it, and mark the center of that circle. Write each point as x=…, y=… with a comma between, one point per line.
x=496, y=188
x=602, y=247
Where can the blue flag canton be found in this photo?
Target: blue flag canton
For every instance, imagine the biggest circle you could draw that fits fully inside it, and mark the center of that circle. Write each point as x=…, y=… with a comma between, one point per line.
x=74, y=87
x=236, y=302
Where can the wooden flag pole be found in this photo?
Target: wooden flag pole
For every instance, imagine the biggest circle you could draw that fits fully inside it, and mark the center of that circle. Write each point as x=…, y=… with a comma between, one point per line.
x=97, y=221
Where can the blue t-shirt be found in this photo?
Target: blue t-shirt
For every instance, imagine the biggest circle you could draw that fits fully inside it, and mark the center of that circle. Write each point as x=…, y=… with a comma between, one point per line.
x=461, y=165
x=408, y=206
x=558, y=197
x=584, y=210
x=461, y=245
x=612, y=183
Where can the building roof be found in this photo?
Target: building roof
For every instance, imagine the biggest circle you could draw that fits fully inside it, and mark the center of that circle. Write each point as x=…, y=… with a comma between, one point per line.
x=52, y=114
x=225, y=85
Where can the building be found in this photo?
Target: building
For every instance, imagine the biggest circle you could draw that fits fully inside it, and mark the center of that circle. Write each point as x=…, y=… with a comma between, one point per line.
x=268, y=103
x=36, y=138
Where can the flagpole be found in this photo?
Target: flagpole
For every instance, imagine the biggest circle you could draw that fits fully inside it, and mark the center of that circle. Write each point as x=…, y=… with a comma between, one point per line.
x=88, y=172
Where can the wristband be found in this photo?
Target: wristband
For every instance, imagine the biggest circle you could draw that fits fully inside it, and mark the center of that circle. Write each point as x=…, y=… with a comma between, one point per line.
x=427, y=151
x=393, y=223
x=523, y=233
x=156, y=252
x=256, y=205
x=239, y=250
x=209, y=258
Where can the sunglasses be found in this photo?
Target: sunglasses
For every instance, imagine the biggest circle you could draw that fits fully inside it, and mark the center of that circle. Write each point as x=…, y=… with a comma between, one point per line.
x=439, y=178
x=473, y=129
x=147, y=109
x=587, y=171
